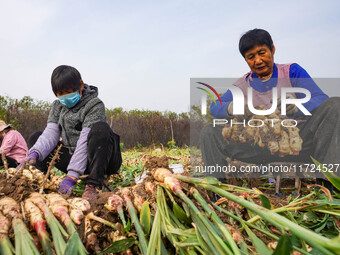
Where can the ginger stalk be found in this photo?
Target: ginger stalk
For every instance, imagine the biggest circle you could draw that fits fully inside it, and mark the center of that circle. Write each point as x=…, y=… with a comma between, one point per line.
x=39, y=224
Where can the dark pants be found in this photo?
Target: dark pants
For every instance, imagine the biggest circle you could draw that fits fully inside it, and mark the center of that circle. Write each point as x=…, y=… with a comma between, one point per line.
x=10, y=161
x=320, y=134
x=103, y=154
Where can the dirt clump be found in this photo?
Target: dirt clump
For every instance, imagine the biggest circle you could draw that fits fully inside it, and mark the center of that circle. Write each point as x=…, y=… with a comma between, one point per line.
x=153, y=162
x=16, y=187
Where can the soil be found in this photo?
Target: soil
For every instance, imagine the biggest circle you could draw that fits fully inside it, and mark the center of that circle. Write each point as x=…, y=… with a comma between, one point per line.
x=97, y=207
x=19, y=189
x=16, y=187
x=139, y=190
x=153, y=162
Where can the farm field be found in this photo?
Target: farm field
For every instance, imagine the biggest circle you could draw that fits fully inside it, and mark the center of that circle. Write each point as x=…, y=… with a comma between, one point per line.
x=165, y=213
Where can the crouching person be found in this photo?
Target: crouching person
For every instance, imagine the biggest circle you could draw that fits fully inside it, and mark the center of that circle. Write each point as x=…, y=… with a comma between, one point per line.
x=89, y=145
x=13, y=145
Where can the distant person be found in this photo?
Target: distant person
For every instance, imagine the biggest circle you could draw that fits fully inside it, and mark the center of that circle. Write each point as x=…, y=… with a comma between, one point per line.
x=13, y=145
x=320, y=132
x=89, y=144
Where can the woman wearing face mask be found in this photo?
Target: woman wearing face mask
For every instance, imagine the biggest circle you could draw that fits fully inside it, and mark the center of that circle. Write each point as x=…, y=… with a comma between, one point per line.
x=13, y=145
x=89, y=145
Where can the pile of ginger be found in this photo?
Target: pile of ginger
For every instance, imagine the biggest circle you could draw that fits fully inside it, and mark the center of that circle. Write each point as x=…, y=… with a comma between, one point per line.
x=266, y=131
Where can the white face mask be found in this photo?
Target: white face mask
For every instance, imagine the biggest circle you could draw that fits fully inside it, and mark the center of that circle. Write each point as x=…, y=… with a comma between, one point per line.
x=3, y=134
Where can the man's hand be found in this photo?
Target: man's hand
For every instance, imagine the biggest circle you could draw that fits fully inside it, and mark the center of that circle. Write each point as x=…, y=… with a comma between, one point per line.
x=31, y=159
x=291, y=109
x=66, y=186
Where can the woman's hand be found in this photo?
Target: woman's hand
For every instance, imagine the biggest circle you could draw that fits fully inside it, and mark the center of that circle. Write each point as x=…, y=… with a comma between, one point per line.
x=66, y=186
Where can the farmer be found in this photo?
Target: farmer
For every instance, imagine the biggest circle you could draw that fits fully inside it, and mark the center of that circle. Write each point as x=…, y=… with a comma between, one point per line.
x=13, y=145
x=89, y=145
x=320, y=131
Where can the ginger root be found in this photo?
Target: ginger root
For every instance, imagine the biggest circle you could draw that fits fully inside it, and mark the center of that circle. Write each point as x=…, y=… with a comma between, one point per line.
x=266, y=132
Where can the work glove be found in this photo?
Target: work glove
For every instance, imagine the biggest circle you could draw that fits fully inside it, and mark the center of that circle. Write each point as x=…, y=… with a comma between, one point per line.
x=66, y=186
x=247, y=113
x=32, y=158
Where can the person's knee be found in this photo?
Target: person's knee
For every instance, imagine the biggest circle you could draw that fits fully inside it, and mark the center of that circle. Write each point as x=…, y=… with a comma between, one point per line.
x=207, y=132
x=210, y=133
x=332, y=104
x=100, y=135
x=100, y=126
x=100, y=130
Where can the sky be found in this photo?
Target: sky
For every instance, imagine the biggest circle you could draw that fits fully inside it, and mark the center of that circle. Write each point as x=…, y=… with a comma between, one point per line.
x=142, y=54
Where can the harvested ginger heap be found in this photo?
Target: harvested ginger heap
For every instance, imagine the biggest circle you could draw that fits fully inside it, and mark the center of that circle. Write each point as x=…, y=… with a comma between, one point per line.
x=266, y=132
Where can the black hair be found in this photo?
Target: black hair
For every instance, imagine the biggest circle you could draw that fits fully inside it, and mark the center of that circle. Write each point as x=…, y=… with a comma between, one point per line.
x=65, y=78
x=253, y=38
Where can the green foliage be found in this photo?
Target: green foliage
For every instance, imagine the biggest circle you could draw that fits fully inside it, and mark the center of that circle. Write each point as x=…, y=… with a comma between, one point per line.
x=15, y=123
x=172, y=144
x=196, y=114
x=57, y=172
x=79, y=188
x=115, y=112
x=139, y=146
x=139, y=128
x=171, y=115
x=257, y=242
x=128, y=173
x=184, y=115
x=145, y=217
x=26, y=115
x=3, y=108
x=119, y=246
x=136, y=127
x=284, y=246
x=334, y=179
x=265, y=201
